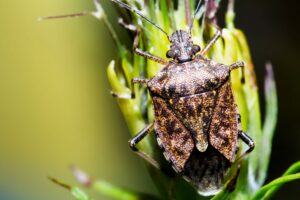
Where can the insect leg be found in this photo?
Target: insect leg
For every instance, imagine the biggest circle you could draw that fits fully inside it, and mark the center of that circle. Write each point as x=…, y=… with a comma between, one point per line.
x=129, y=27
x=248, y=140
x=239, y=64
x=132, y=96
x=145, y=54
x=211, y=42
x=245, y=138
x=138, y=51
x=136, y=139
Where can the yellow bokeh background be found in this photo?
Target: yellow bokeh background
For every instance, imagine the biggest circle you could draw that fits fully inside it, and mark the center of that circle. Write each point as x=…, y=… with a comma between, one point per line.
x=55, y=106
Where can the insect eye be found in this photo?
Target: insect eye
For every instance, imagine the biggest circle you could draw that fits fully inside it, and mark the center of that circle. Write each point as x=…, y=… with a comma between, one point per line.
x=196, y=48
x=176, y=52
x=170, y=54
x=189, y=48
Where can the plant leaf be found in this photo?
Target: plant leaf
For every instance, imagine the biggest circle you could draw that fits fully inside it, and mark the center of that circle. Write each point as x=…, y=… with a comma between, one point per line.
x=291, y=170
x=108, y=189
x=274, y=186
x=269, y=123
x=75, y=191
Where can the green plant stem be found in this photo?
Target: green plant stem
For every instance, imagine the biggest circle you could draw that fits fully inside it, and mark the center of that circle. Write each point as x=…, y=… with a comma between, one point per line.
x=112, y=191
x=275, y=183
x=295, y=168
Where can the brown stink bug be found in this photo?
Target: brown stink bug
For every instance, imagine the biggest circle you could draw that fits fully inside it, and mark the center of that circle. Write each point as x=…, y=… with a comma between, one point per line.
x=197, y=122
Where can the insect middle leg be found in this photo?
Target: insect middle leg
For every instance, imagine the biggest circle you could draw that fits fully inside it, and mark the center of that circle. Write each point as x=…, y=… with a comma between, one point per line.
x=136, y=44
x=142, y=81
x=136, y=139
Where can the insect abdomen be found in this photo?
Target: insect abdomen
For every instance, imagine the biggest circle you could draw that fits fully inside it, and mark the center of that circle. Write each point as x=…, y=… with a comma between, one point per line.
x=207, y=171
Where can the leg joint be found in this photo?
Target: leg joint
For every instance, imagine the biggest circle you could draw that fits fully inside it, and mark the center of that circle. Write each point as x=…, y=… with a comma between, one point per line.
x=120, y=96
x=139, y=80
x=251, y=146
x=247, y=140
x=130, y=27
x=132, y=145
x=237, y=65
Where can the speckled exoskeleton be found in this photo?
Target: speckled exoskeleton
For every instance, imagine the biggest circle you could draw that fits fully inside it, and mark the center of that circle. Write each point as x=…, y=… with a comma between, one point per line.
x=197, y=122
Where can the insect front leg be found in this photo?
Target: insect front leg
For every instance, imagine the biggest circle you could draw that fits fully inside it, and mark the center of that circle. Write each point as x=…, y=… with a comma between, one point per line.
x=136, y=139
x=138, y=51
x=211, y=42
x=141, y=81
x=145, y=54
x=239, y=64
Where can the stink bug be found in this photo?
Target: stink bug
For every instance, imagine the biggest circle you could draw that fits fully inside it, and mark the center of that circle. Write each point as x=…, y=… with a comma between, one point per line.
x=197, y=122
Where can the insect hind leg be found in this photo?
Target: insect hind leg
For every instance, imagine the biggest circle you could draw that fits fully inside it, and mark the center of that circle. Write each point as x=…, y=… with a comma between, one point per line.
x=248, y=140
x=139, y=137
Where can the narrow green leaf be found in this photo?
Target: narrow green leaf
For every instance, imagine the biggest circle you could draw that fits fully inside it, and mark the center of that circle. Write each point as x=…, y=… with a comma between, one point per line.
x=295, y=168
x=106, y=188
x=254, y=129
x=269, y=123
x=275, y=183
x=79, y=194
x=75, y=191
x=112, y=191
x=164, y=12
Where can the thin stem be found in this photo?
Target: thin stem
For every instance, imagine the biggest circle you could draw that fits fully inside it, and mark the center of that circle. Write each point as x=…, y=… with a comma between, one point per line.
x=279, y=181
x=111, y=30
x=187, y=11
x=100, y=14
x=230, y=7
x=112, y=191
x=230, y=14
x=73, y=15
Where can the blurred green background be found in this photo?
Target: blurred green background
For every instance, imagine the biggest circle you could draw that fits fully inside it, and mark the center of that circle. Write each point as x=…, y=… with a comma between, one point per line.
x=56, y=110
x=55, y=106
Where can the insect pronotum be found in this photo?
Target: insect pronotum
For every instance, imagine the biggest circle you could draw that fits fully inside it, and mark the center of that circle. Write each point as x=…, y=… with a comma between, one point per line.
x=197, y=122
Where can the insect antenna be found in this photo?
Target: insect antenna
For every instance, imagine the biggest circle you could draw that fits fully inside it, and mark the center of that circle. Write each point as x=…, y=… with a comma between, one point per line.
x=140, y=14
x=194, y=16
x=73, y=15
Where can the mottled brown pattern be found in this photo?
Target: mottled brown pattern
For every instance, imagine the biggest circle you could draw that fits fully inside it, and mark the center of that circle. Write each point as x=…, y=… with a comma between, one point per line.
x=172, y=134
x=223, y=134
x=195, y=112
x=207, y=171
x=190, y=78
